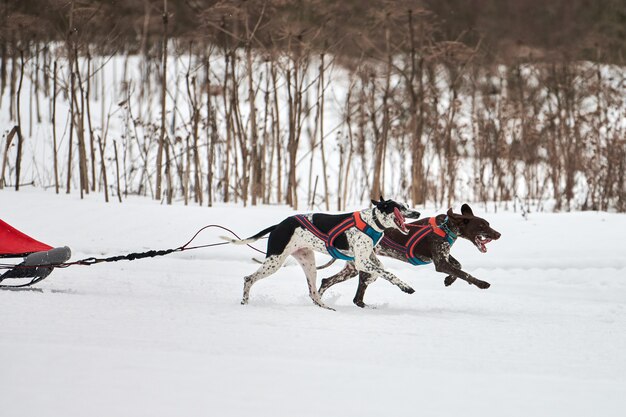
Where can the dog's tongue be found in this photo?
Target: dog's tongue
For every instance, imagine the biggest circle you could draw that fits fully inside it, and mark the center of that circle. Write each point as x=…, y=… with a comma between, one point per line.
x=400, y=220
x=482, y=244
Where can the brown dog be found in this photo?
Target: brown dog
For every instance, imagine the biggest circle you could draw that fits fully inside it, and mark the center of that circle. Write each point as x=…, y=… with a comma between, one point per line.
x=429, y=240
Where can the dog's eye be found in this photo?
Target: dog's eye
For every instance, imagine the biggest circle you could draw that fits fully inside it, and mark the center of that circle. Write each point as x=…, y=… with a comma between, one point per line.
x=466, y=221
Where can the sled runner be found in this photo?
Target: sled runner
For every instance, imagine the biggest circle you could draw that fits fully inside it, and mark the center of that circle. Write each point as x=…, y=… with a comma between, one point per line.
x=39, y=258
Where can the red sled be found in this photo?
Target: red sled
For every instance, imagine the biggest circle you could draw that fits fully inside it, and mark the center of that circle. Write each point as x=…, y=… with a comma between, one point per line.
x=39, y=259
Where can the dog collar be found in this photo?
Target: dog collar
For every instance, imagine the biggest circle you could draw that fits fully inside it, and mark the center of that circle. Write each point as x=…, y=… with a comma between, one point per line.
x=376, y=221
x=442, y=230
x=446, y=229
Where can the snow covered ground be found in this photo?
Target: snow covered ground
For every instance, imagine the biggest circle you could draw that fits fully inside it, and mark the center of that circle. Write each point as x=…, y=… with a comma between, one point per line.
x=168, y=337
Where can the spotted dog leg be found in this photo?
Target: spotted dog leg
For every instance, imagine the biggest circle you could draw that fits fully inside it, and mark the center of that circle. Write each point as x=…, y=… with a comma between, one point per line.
x=374, y=268
x=306, y=259
x=270, y=265
x=348, y=271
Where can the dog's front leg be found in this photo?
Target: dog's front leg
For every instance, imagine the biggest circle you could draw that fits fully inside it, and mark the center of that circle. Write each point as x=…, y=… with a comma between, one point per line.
x=441, y=259
x=449, y=280
x=375, y=268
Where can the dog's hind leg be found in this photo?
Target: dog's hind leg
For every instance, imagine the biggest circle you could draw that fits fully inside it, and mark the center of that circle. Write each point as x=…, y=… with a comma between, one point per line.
x=348, y=271
x=306, y=259
x=271, y=264
x=364, y=280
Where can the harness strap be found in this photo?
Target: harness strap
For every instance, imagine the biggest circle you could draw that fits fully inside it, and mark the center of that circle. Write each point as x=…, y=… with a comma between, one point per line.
x=412, y=243
x=353, y=221
x=425, y=230
x=449, y=234
x=433, y=224
x=395, y=245
x=339, y=229
x=306, y=223
x=374, y=234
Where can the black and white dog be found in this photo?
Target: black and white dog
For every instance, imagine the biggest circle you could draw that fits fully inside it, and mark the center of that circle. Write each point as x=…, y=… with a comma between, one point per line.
x=348, y=236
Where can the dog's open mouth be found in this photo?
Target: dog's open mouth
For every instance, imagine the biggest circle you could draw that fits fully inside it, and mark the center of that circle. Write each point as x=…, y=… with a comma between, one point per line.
x=481, y=242
x=400, y=221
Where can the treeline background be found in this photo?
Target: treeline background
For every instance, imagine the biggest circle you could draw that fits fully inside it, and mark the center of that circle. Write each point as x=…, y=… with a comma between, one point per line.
x=580, y=29
x=318, y=103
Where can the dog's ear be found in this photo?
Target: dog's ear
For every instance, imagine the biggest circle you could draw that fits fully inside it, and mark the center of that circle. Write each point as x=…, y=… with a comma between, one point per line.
x=457, y=218
x=382, y=200
x=374, y=202
x=466, y=210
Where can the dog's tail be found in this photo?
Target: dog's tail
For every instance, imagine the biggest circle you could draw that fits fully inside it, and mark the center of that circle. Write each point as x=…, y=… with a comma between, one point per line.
x=327, y=264
x=251, y=238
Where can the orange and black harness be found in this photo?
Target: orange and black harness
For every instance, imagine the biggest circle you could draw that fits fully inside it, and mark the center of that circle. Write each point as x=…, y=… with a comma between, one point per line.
x=353, y=221
x=425, y=229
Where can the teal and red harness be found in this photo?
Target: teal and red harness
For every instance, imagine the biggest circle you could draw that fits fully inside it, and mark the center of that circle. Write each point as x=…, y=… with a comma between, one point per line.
x=425, y=229
x=352, y=221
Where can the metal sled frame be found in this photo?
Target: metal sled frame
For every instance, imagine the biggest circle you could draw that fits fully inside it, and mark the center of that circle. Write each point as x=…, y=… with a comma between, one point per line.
x=36, y=265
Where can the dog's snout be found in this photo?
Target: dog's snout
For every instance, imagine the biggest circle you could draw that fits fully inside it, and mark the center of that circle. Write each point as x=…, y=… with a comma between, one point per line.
x=496, y=235
x=412, y=214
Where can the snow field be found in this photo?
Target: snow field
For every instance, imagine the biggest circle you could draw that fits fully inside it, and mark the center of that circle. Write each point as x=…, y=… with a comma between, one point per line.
x=167, y=336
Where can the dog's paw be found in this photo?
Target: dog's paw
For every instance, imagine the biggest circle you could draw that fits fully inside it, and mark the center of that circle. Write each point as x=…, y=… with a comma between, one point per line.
x=483, y=285
x=449, y=280
x=407, y=290
x=363, y=305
